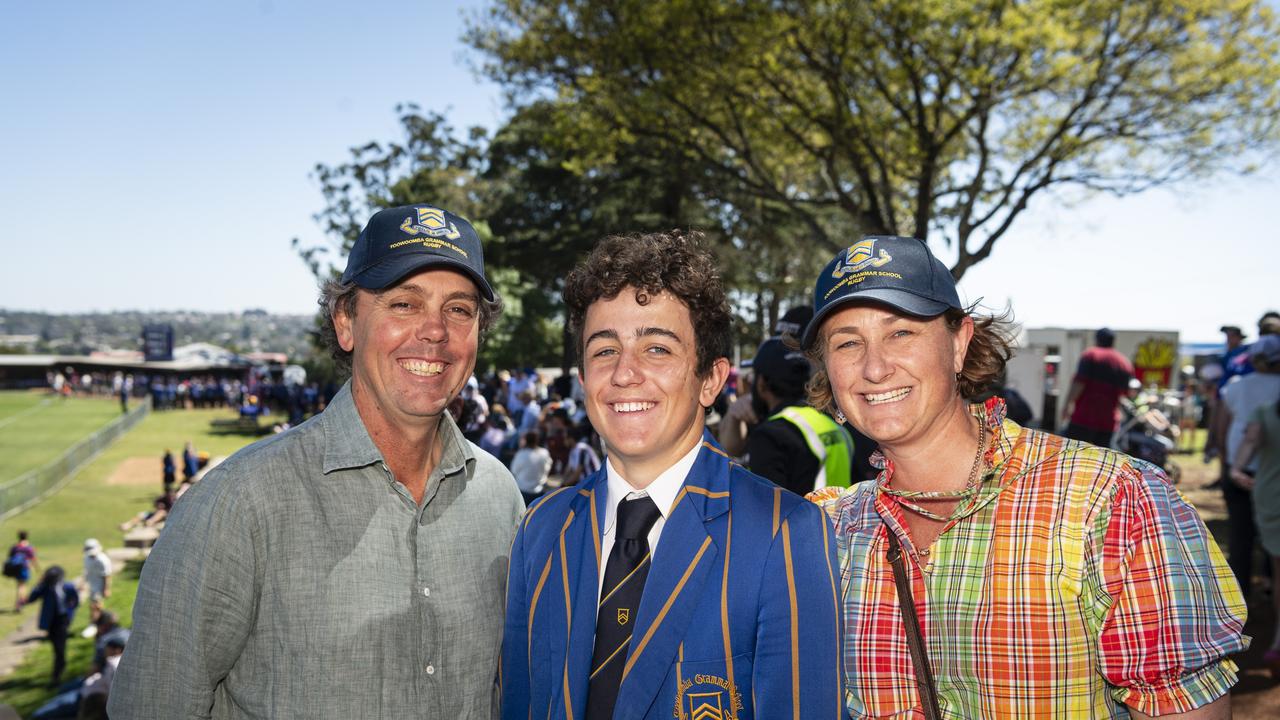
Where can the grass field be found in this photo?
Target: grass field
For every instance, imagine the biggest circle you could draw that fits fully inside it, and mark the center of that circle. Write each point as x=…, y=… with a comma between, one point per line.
x=90, y=506
x=36, y=428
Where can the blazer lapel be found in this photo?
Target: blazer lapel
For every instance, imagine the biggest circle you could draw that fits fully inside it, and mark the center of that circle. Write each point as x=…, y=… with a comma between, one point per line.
x=686, y=555
x=577, y=564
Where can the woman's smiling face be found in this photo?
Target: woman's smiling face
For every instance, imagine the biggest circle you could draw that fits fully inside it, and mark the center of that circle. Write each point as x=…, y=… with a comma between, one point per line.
x=892, y=375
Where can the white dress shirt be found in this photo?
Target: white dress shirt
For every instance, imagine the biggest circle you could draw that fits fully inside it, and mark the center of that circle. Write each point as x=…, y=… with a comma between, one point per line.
x=662, y=490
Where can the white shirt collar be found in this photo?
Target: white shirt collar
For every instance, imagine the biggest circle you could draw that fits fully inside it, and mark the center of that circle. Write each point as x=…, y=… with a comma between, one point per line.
x=663, y=489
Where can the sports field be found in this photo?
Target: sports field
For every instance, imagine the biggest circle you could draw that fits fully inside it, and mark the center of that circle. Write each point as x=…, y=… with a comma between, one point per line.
x=121, y=481
x=36, y=428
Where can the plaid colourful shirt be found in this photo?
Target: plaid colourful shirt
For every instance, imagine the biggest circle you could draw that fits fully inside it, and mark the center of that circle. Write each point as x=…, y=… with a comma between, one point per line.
x=1076, y=580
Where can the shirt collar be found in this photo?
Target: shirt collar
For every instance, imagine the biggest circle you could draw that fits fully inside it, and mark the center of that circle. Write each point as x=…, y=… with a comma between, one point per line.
x=994, y=475
x=455, y=452
x=663, y=489
x=347, y=442
x=348, y=445
x=1004, y=433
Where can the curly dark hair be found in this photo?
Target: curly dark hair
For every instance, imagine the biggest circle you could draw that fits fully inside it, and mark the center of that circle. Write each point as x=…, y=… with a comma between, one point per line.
x=984, y=361
x=336, y=295
x=651, y=263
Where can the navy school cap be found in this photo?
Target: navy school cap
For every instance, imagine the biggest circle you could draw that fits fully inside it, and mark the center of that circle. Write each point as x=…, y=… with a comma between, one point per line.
x=794, y=321
x=786, y=368
x=896, y=271
x=401, y=240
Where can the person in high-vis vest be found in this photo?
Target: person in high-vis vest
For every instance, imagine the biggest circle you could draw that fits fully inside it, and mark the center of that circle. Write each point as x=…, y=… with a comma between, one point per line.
x=797, y=447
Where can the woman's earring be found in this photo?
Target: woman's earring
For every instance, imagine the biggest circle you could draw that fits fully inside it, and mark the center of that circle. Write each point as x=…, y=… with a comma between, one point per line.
x=840, y=418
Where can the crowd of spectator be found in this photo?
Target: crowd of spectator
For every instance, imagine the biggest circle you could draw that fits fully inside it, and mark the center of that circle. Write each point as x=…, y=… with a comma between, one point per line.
x=59, y=597
x=85, y=698
x=538, y=429
x=260, y=394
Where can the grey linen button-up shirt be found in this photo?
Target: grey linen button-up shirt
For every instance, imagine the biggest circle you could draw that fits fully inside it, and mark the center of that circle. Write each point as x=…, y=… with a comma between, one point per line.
x=298, y=579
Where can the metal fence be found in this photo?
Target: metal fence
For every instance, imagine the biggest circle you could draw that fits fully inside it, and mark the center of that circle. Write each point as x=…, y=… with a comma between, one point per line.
x=32, y=487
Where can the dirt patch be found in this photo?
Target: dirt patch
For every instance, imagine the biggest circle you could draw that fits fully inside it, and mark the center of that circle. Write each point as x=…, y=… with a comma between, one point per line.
x=137, y=471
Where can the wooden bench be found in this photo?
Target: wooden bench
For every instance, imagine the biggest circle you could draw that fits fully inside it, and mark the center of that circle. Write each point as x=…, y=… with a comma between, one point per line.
x=141, y=537
x=244, y=425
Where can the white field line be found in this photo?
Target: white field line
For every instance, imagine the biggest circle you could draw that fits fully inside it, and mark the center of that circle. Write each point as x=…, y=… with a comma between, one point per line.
x=43, y=404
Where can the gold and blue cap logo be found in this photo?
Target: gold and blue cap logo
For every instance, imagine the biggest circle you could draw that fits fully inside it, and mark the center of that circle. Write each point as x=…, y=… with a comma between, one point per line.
x=405, y=239
x=899, y=272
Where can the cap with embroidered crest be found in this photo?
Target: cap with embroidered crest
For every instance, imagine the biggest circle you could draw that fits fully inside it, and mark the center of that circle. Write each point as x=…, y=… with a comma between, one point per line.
x=401, y=240
x=896, y=271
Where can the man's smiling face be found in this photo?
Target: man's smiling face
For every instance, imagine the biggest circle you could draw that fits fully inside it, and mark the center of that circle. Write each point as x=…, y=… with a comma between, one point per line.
x=413, y=345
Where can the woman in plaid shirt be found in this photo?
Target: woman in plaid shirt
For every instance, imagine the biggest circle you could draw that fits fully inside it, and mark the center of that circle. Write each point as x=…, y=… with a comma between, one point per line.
x=1051, y=578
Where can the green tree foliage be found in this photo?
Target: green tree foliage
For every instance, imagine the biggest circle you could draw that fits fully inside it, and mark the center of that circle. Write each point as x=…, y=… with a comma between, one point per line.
x=914, y=117
x=538, y=213
x=430, y=164
x=547, y=210
x=547, y=214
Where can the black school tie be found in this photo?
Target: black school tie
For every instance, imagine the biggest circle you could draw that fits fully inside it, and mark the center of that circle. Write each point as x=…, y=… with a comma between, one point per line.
x=624, y=576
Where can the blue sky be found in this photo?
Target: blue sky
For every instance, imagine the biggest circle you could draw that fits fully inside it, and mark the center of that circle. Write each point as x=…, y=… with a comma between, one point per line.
x=158, y=155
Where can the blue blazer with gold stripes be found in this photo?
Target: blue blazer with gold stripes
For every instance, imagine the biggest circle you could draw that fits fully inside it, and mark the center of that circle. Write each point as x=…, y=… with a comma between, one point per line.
x=739, y=617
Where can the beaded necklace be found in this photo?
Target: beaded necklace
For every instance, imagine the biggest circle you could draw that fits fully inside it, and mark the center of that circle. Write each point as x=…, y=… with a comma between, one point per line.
x=905, y=497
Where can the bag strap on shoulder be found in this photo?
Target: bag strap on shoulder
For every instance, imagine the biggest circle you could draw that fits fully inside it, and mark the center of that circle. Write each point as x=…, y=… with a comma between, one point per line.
x=915, y=640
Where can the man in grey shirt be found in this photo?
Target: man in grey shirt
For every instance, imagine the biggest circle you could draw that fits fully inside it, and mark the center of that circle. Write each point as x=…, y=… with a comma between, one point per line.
x=353, y=567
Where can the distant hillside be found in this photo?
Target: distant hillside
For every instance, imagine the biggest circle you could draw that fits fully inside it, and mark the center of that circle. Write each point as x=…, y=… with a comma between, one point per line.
x=250, y=331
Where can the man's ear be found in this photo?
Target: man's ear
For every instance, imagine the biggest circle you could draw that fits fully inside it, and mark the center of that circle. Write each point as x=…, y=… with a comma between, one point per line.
x=342, y=326
x=713, y=382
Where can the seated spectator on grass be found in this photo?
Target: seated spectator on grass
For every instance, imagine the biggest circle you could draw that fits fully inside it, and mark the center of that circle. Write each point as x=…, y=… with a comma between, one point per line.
x=150, y=518
x=531, y=466
x=252, y=407
x=97, y=687
x=109, y=627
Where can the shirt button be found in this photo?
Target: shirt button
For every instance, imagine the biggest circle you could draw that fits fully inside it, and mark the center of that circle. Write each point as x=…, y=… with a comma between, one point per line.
x=431, y=669
x=426, y=592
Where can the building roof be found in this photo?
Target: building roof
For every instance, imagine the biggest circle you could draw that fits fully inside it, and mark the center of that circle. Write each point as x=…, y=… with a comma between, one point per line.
x=195, y=357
